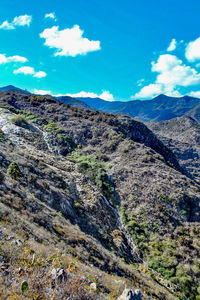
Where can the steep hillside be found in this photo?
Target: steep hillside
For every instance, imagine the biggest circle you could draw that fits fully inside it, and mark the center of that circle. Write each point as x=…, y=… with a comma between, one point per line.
x=182, y=136
x=160, y=108
x=102, y=195
x=194, y=113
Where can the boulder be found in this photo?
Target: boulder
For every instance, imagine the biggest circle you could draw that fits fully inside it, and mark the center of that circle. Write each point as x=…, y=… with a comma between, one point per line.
x=59, y=274
x=129, y=294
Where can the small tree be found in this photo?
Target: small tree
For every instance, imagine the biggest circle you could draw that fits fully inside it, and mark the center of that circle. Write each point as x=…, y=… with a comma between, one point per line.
x=14, y=171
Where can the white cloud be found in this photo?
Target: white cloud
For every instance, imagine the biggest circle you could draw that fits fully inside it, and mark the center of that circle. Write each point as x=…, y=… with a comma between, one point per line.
x=165, y=62
x=195, y=94
x=105, y=95
x=172, y=74
x=30, y=71
x=69, y=41
x=42, y=92
x=50, y=16
x=16, y=58
x=23, y=20
x=148, y=91
x=25, y=70
x=172, y=45
x=192, y=52
x=154, y=89
x=40, y=74
x=7, y=26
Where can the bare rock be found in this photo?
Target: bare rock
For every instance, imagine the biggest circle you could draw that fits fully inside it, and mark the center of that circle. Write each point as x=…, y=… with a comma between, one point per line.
x=128, y=294
x=59, y=274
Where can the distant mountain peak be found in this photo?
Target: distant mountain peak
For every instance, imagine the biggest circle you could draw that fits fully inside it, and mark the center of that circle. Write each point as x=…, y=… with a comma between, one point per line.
x=13, y=88
x=161, y=96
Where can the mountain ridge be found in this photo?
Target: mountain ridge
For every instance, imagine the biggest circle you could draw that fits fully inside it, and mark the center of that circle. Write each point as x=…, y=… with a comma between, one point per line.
x=160, y=108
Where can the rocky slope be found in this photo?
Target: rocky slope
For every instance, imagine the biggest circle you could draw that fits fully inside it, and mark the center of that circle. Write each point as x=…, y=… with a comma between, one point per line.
x=104, y=197
x=182, y=136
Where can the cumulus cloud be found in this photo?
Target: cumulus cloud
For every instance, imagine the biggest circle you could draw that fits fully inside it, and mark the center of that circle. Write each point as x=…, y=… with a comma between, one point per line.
x=154, y=89
x=7, y=26
x=16, y=58
x=50, y=16
x=23, y=20
x=192, y=51
x=69, y=41
x=25, y=70
x=150, y=90
x=172, y=74
x=105, y=95
x=30, y=71
x=172, y=45
x=42, y=92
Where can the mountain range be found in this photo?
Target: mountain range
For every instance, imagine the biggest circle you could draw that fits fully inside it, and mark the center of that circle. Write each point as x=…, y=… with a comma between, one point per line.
x=96, y=205
x=157, y=109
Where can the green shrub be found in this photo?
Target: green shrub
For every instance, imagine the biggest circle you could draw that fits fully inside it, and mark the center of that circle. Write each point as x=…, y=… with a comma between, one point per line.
x=95, y=171
x=19, y=120
x=14, y=171
x=61, y=136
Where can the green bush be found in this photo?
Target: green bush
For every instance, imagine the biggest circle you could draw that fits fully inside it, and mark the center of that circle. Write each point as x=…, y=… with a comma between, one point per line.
x=95, y=171
x=61, y=136
x=14, y=171
x=19, y=120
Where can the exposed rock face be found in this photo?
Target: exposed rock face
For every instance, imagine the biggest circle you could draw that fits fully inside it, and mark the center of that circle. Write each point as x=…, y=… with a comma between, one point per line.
x=129, y=294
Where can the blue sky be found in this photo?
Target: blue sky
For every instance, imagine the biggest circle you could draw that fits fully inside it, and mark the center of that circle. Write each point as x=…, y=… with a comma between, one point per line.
x=118, y=50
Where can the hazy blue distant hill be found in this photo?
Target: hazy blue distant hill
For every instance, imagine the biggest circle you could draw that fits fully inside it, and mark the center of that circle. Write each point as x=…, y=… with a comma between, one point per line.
x=12, y=88
x=72, y=101
x=159, y=108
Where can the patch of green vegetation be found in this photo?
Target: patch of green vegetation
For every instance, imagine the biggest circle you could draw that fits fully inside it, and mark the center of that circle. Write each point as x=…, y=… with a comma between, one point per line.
x=95, y=171
x=167, y=199
x=2, y=136
x=20, y=121
x=162, y=252
x=14, y=171
x=33, y=118
x=28, y=115
x=61, y=135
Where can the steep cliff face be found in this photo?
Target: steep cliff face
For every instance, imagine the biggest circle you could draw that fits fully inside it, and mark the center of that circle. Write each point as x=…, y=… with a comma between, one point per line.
x=104, y=186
